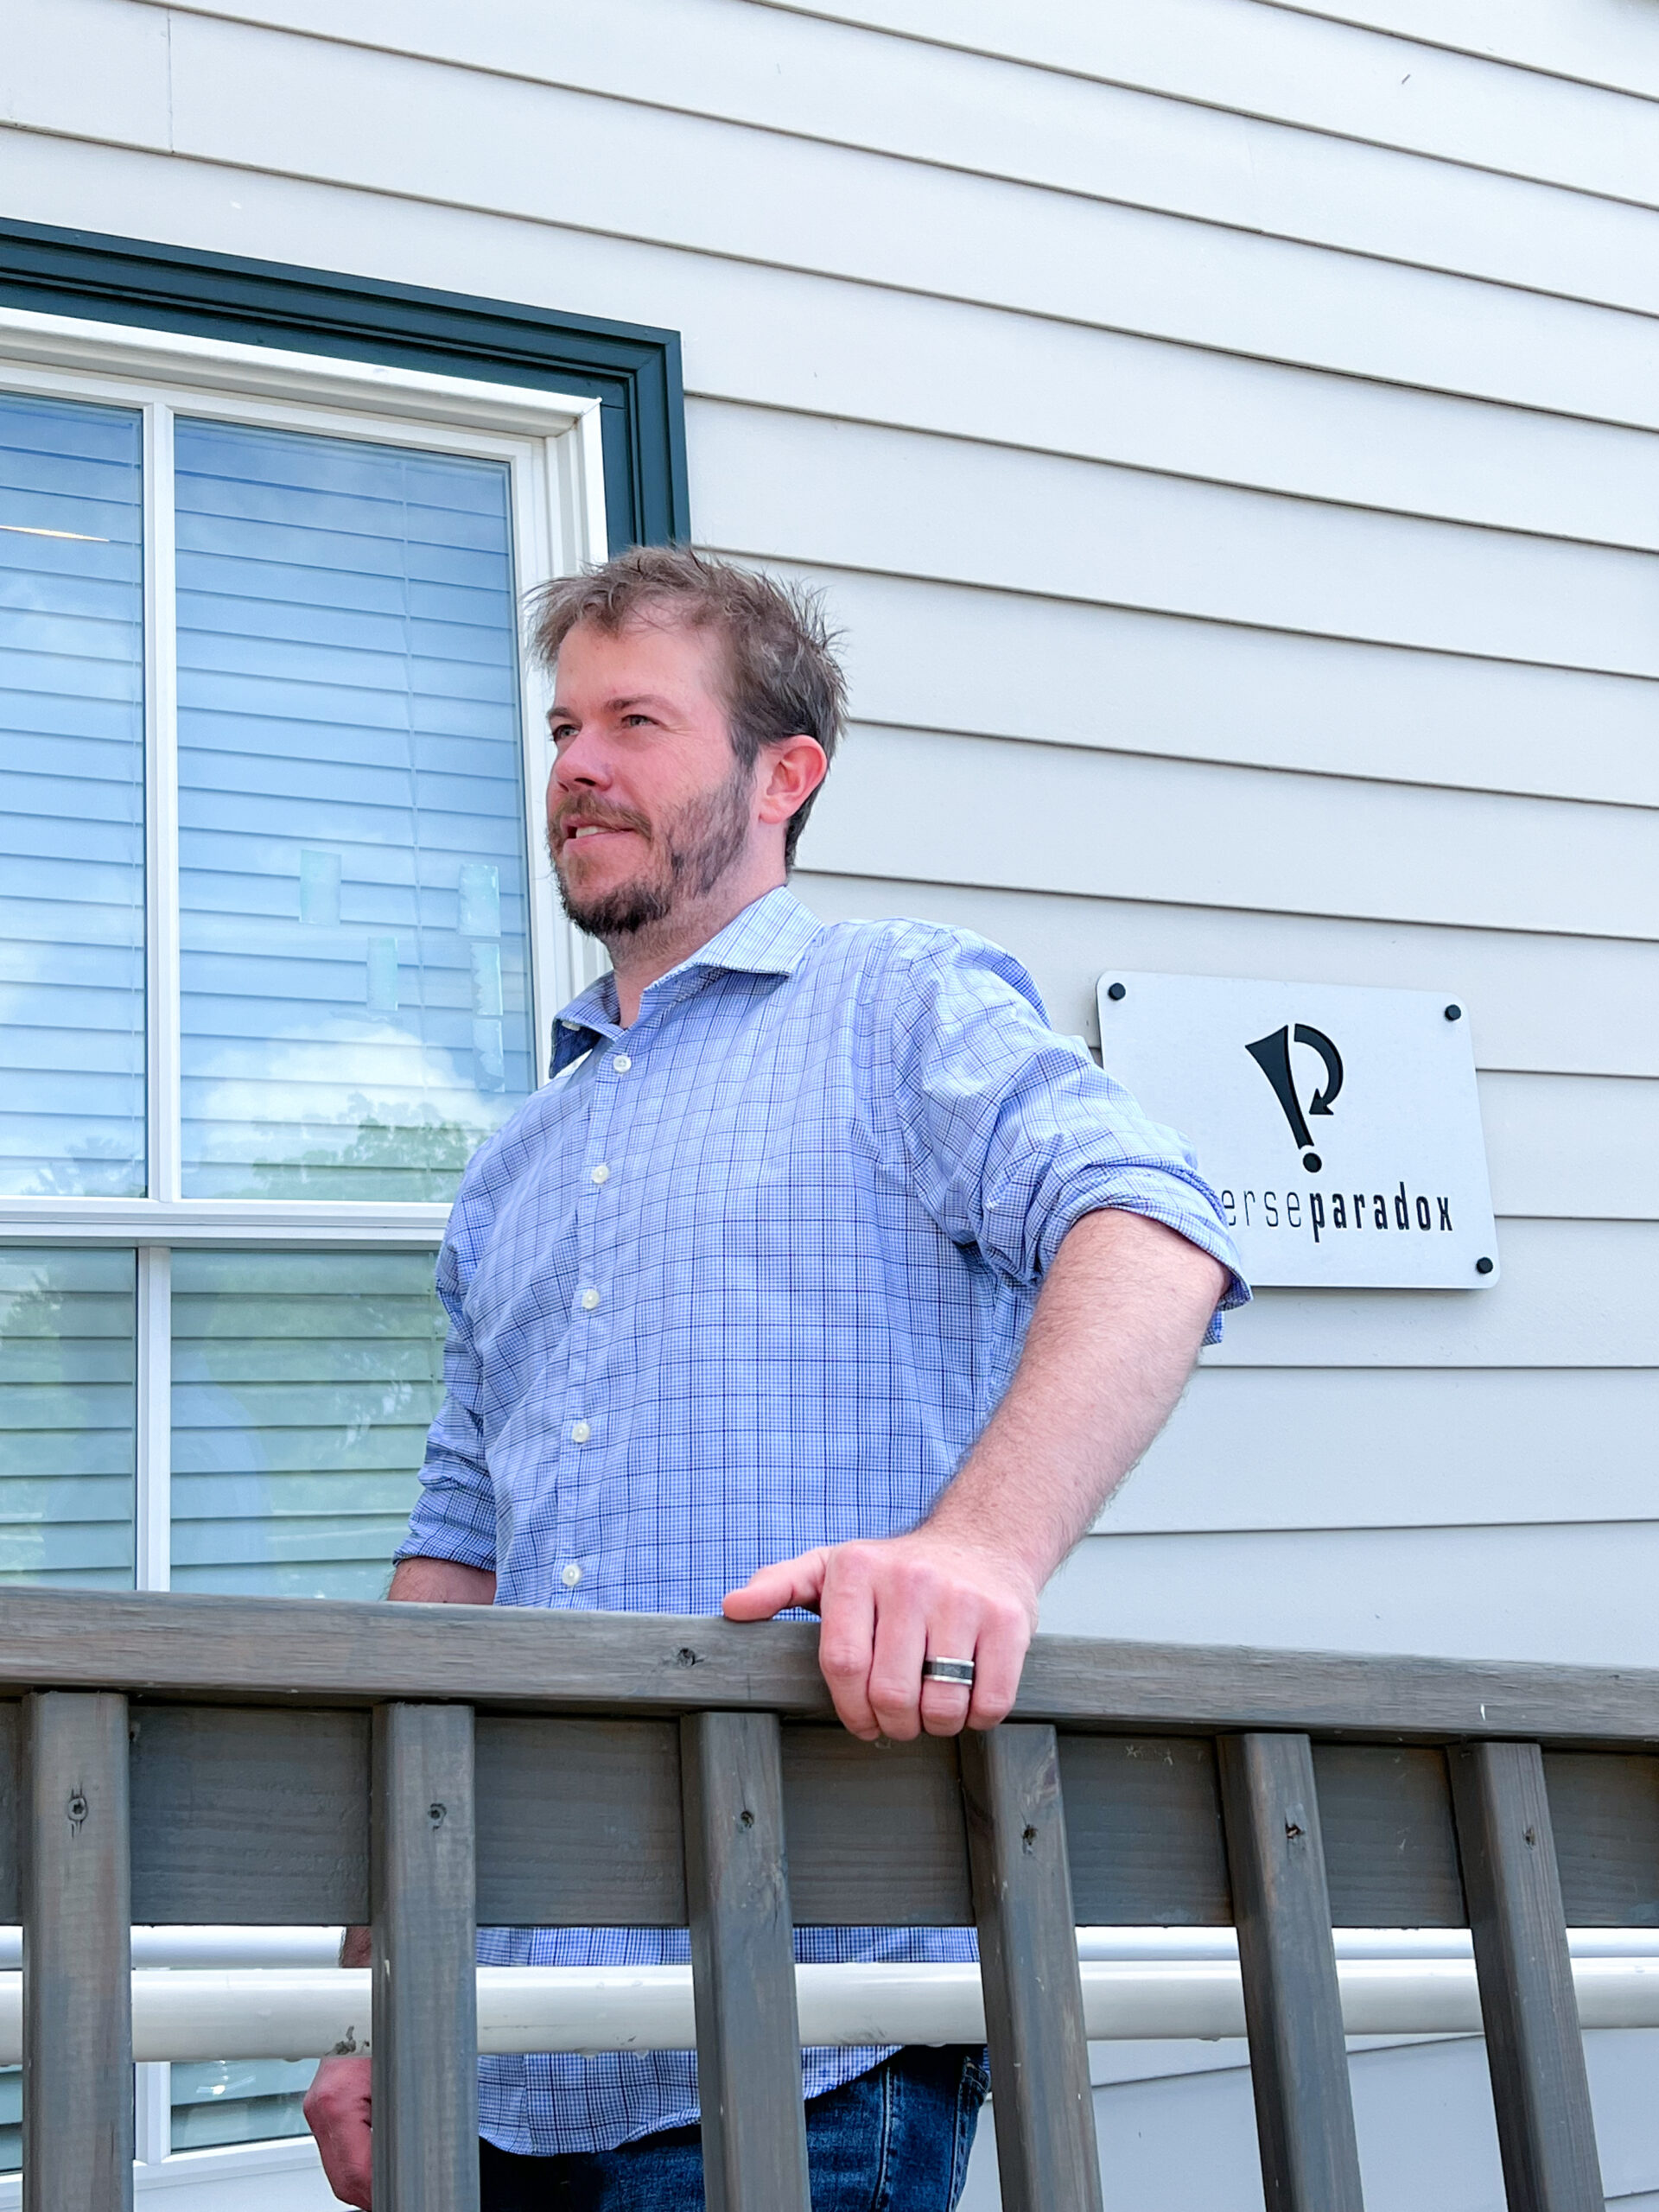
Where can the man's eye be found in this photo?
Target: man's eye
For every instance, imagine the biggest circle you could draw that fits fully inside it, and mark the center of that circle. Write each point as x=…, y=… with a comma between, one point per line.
x=559, y=731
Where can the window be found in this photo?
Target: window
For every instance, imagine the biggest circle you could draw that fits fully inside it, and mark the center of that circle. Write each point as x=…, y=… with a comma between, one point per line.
x=279, y=946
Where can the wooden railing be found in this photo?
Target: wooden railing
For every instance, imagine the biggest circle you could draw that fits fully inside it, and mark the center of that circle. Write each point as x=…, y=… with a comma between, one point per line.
x=177, y=1760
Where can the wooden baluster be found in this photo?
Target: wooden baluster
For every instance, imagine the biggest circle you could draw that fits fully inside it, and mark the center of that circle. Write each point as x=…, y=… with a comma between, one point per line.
x=1533, y=2045
x=1041, y=2100
x=742, y=1964
x=1293, y=2008
x=77, y=1956
x=425, y=1987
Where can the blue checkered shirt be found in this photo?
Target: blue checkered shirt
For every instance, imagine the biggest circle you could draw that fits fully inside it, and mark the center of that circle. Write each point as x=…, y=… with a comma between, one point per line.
x=746, y=1278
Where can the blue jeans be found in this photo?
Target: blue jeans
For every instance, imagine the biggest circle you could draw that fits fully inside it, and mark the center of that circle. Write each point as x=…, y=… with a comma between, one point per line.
x=895, y=2140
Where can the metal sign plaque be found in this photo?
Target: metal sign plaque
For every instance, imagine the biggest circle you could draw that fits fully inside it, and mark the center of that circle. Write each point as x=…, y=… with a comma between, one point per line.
x=1340, y=1125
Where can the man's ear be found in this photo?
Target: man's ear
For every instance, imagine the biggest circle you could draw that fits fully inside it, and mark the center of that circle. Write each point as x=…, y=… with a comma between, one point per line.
x=791, y=771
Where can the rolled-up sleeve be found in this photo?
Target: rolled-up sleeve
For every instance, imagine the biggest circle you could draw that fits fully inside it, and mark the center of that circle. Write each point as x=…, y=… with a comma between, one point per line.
x=1011, y=1137
x=454, y=1516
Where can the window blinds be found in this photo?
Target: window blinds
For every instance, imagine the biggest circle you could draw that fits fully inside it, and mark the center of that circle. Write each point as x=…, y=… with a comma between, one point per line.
x=356, y=1004
x=71, y=792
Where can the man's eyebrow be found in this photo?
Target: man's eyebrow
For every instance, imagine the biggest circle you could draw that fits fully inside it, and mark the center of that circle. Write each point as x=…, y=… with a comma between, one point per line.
x=619, y=706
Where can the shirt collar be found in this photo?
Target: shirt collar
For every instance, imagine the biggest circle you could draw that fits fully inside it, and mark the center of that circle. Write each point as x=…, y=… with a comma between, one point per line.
x=769, y=938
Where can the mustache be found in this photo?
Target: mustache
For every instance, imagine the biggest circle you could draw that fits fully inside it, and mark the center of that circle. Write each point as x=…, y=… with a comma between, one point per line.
x=604, y=817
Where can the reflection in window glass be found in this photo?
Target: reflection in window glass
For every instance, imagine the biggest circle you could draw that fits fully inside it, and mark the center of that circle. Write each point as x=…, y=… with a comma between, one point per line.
x=238, y=2101
x=353, y=847
x=71, y=800
x=303, y=1384
x=67, y=1417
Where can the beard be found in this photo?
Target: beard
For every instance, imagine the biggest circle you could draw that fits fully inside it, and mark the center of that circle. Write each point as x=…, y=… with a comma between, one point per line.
x=685, y=858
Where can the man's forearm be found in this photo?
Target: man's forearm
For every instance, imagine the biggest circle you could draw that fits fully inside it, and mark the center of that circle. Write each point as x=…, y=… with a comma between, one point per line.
x=423, y=1582
x=1118, y=1325
x=441, y=1582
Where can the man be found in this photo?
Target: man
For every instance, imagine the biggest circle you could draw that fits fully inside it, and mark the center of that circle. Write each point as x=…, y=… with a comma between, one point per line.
x=822, y=1275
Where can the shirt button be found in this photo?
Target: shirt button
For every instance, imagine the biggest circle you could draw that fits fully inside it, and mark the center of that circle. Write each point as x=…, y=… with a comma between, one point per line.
x=580, y=1432
x=571, y=1576
x=590, y=1299
x=622, y=1063
x=601, y=1173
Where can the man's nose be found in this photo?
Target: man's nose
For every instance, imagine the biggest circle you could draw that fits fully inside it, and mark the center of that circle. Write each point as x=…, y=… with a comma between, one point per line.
x=581, y=765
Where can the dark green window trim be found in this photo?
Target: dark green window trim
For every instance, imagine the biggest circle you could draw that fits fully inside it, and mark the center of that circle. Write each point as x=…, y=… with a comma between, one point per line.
x=633, y=371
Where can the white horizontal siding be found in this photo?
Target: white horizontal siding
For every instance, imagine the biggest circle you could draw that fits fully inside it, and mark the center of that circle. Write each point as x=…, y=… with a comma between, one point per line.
x=1609, y=43
x=259, y=99
x=913, y=804
x=1570, y=1294
x=936, y=656
x=1561, y=1005
x=1388, y=78
x=1579, y=1146
x=1564, y=1595
x=1345, y=1447
x=940, y=108
x=945, y=508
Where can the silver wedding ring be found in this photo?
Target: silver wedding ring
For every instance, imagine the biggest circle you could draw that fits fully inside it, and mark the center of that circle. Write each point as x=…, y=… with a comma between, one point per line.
x=949, y=1670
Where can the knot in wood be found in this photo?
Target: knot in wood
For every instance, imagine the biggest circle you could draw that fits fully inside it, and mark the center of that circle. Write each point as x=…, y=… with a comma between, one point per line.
x=685, y=1657
x=435, y=1812
x=1028, y=1840
x=746, y=1818
x=77, y=1809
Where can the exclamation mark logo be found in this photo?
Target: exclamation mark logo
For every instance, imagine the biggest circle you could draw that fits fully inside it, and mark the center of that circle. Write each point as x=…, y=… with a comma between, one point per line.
x=1272, y=1055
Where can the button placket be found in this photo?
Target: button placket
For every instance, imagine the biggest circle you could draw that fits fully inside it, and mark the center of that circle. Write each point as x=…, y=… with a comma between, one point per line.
x=583, y=1463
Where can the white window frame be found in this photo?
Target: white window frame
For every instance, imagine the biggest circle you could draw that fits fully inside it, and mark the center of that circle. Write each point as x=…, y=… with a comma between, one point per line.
x=551, y=443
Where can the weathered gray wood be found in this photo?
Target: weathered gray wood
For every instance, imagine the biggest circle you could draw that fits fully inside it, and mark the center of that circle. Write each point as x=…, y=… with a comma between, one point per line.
x=1534, y=2046
x=743, y=1964
x=279, y=1650
x=877, y=1836
x=579, y=1824
x=1390, y=1847
x=241, y=1815
x=1041, y=2103
x=1143, y=1830
x=1298, y=2064
x=1604, y=1806
x=424, y=1985
x=77, y=1957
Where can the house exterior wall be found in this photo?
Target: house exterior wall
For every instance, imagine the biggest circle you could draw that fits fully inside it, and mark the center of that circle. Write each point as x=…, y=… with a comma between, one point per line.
x=1227, y=433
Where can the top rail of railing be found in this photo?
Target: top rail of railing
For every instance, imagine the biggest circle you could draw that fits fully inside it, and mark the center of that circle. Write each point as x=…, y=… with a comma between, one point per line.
x=326, y=1652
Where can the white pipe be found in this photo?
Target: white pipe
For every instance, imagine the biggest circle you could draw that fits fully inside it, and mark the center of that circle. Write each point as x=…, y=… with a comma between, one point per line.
x=320, y=1947
x=298, y=2013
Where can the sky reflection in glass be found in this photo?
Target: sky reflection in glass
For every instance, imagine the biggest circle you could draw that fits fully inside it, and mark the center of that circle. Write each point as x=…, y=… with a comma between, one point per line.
x=71, y=800
x=356, y=1003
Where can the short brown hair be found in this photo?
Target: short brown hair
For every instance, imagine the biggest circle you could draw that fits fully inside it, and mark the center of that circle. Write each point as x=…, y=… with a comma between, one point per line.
x=782, y=676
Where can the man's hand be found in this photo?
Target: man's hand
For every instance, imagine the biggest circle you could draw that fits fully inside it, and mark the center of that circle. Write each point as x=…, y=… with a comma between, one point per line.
x=886, y=1606
x=337, y=2114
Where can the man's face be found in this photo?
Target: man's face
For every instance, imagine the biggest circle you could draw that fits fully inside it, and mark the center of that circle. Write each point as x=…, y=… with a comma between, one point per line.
x=648, y=806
